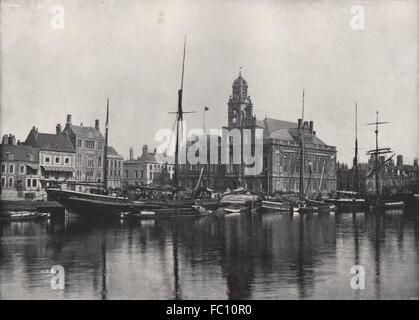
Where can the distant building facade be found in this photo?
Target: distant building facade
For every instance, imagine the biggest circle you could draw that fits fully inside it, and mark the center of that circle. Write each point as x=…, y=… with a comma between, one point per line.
x=115, y=169
x=393, y=177
x=146, y=169
x=89, y=145
x=280, y=171
x=19, y=165
x=56, y=155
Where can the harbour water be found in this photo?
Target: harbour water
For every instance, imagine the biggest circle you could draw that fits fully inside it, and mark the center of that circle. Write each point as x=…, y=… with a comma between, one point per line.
x=264, y=256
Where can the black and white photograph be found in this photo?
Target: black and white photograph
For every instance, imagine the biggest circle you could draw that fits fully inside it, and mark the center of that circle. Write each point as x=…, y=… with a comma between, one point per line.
x=209, y=150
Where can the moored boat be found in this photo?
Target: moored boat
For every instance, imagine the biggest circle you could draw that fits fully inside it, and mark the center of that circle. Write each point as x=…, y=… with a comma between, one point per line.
x=23, y=215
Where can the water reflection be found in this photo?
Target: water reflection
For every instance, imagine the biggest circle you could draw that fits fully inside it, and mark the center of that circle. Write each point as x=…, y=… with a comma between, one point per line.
x=269, y=255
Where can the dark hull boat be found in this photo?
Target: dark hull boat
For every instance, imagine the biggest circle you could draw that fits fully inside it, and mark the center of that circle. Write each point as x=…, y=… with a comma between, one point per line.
x=321, y=205
x=22, y=215
x=349, y=204
x=166, y=213
x=277, y=205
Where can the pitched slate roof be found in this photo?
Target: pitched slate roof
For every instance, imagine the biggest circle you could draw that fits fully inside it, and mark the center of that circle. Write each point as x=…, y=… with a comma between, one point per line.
x=56, y=142
x=48, y=141
x=112, y=151
x=84, y=131
x=20, y=152
x=283, y=130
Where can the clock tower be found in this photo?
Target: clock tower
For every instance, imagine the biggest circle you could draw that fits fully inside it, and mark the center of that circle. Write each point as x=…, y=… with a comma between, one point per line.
x=240, y=108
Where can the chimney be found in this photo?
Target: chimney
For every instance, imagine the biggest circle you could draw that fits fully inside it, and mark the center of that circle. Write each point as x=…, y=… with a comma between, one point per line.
x=58, y=129
x=131, y=153
x=399, y=160
x=97, y=124
x=145, y=149
x=300, y=122
x=311, y=127
x=19, y=142
x=5, y=139
x=12, y=139
x=415, y=162
x=69, y=119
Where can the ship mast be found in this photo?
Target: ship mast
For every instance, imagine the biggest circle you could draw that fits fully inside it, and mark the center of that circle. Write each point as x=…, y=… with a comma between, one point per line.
x=356, y=150
x=302, y=154
x=179, y=120
x=377, y=151
x=105, y=153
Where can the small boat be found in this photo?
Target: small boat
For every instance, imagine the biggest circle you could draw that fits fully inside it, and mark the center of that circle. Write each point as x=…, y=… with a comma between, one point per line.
x=166, y=213
x=321, y=205
x=393, y=205
x=230, y=210
x=306, y=209
x=277, y=205
x=23, y=215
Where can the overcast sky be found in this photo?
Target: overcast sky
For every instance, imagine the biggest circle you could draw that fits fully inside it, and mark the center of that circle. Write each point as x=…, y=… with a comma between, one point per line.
x=131, y=52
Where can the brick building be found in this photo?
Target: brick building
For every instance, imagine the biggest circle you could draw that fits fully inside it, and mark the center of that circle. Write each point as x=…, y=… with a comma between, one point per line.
x=19, y=166
x=89, y=145
x=56, y=155
x=393, y=177
x=146, y=169
x=281, y=153
x=115, y=169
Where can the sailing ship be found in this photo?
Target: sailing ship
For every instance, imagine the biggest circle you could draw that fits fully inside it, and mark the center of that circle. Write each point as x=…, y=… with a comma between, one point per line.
x=89, y=204
x=378, y=201
x=350, y=201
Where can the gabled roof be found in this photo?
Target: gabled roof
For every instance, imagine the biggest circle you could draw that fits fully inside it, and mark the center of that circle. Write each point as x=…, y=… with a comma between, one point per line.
x=49, y=141
x=112, y=151
x=20, y=152
x=284, y=130
x=56, y=142
x=84, y=131
x=275, y=125
x=148, y=157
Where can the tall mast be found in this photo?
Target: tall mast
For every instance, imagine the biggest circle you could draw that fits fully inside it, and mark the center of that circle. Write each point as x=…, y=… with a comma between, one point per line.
x=179, y=118
x=356, y=150
x=377, y=178
x=105, y=153
x=302, y=154
x=376, y=152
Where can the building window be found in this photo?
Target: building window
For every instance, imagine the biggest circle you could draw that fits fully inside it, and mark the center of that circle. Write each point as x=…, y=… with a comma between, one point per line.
x=136, y=174
x=90, y=163
x=99, y=161
x=10, y=182
x=28, y=183
x=22, y=169
x=78, y=143
x=34, y=182
x=57, y=160
x=11, y=168
x=3, y=181
x=142, y=174
x=67, y=160
x=3, y=168
x=47, y=160
x=126, y=174
x=89, y=144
